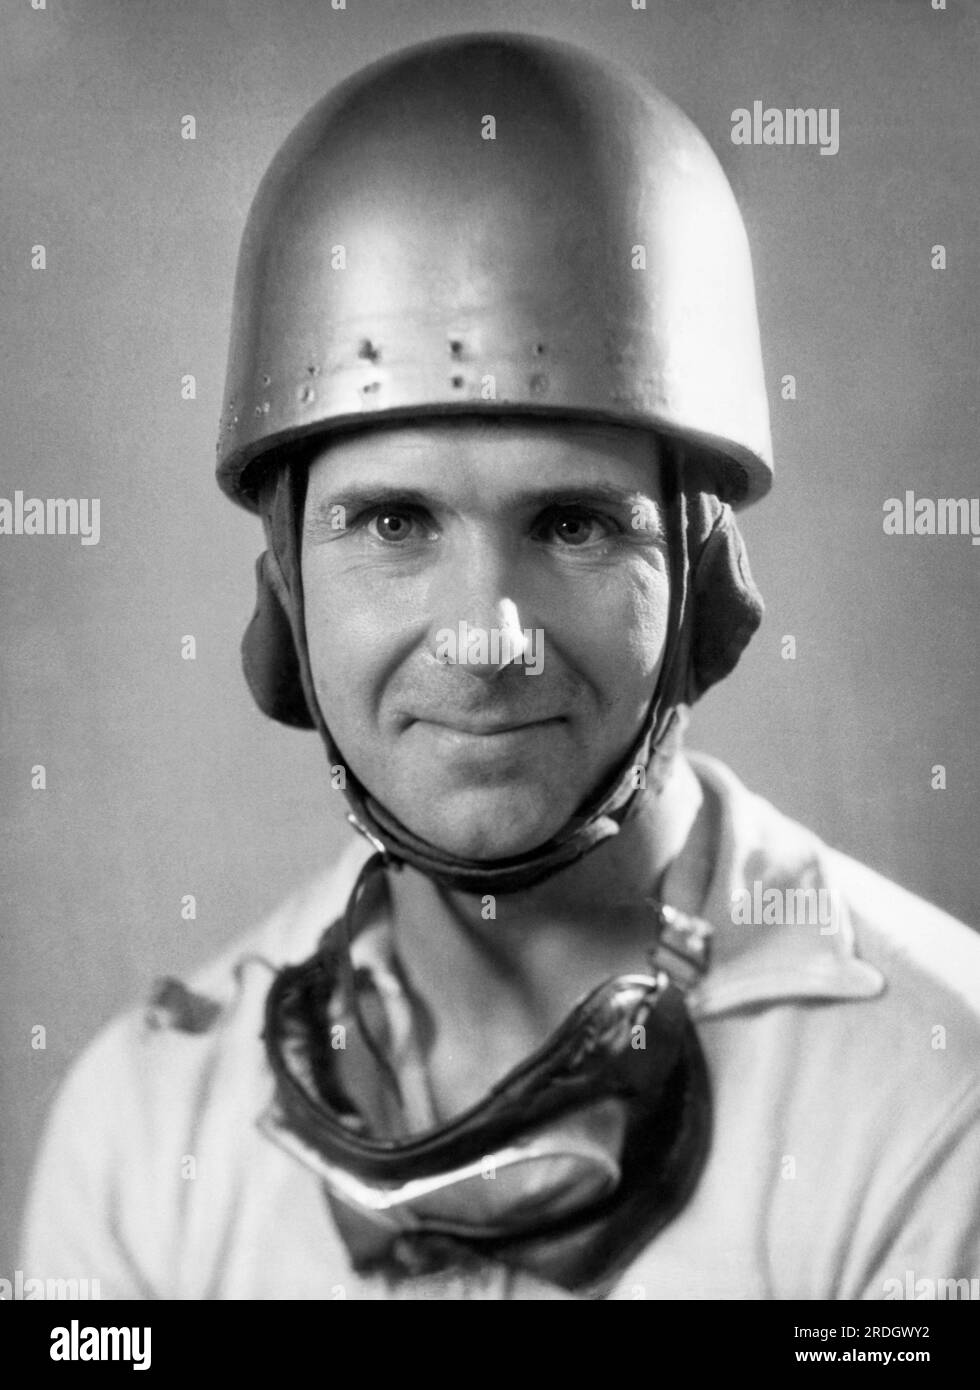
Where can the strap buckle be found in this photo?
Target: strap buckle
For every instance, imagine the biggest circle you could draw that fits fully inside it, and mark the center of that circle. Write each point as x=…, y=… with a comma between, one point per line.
x=683, y=947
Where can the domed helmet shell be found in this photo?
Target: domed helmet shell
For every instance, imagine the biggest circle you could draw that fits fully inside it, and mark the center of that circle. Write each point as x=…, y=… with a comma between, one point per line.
x=496, y=224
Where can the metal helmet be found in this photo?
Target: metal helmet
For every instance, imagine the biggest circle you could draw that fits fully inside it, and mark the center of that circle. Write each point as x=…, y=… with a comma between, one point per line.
x=496, y=223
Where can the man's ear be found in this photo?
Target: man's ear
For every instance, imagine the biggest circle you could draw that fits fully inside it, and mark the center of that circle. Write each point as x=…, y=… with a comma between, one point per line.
x=727, y=605
x=269, y=657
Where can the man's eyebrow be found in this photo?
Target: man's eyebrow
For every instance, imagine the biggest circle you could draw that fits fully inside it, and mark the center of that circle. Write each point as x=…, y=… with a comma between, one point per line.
x=357, y=497
x=587, y=494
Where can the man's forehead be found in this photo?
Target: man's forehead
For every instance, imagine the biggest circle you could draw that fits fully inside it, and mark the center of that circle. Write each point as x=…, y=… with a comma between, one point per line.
x=516, y=456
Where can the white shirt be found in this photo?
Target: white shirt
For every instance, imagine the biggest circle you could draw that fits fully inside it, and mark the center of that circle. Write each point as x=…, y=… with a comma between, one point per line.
x=845, y=1160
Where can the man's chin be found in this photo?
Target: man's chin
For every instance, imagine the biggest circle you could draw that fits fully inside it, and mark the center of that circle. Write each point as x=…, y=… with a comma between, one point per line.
x=488, y=826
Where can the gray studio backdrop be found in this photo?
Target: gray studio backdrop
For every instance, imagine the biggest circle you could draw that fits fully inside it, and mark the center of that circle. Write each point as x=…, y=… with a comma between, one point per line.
x=162, y=780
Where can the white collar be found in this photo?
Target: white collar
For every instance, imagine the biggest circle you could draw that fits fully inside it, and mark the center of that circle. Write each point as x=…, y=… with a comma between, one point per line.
x=754, y=962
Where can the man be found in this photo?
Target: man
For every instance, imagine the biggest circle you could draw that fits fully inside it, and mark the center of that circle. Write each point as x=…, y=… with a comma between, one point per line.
x=577, y=1015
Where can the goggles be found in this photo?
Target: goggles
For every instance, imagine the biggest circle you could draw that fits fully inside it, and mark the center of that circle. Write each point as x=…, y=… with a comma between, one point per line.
x=569, y=1165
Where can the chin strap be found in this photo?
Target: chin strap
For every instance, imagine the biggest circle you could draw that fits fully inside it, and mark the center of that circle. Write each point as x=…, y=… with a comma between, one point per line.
x=567, y=1168
x=600, y=819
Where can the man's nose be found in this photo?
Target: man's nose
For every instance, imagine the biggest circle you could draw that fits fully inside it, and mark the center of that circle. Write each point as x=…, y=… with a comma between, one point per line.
x=477, y=621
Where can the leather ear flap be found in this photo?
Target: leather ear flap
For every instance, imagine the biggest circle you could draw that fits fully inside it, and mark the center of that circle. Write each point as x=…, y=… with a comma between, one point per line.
x=269, y=657
x=727, y=605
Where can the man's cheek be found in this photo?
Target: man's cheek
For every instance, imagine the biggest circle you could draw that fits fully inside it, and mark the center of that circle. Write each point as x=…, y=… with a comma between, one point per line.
x=641, y=629
x=615, y=648
x=351, y=684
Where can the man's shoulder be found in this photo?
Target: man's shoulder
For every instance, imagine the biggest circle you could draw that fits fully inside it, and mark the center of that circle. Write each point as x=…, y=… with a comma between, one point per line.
x=200, y=1036
x=291, y=931
x=923, y=953
x=913, y=941
x=169, y=1090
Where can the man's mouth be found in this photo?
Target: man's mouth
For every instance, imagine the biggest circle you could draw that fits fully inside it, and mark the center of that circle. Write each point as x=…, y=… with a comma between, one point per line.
x=486, y=728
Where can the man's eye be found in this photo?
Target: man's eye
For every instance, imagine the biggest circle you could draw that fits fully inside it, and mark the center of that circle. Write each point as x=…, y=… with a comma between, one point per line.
x=575, y=529
x=394, y=527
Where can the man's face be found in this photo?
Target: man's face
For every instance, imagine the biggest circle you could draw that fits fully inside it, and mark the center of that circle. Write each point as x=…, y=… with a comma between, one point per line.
x=435, y=554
